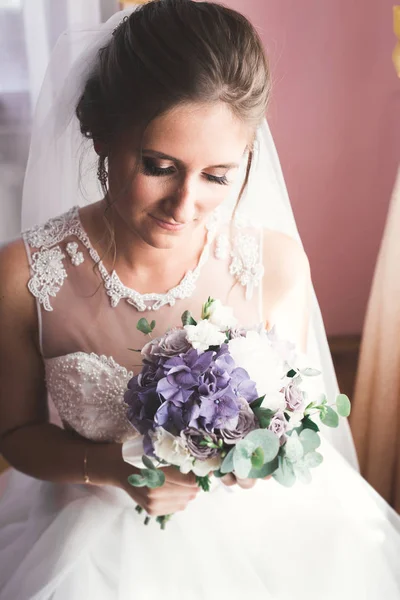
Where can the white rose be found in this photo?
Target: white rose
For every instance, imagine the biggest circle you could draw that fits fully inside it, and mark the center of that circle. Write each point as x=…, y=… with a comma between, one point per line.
x=203, y=467
x=264, y=366
x=204, y=334
x=221, y=316
x=171, y=449
x=274, y=401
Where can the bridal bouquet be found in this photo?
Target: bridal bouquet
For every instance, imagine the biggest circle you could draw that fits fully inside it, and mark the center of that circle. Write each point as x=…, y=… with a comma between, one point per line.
x=213, y=397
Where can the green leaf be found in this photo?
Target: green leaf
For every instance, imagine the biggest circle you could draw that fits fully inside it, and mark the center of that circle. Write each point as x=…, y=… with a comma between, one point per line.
x=263, y=416
x=144, y=326
x=148, y=463
x=292, y=373
x=308, y=372
x=154, y=478
x=313, y=459
x=265, y=470
x=309, y=424
x=242, y=465
x=152, y=325
x=330, y=418
x=267, y=440
x=187, y=318
x=217, y=473
x=137, y=481
x=257, y=403
x=293, y=448
x=227, y=465
x=204, y=482
x=343, y=405
x=285, y=473
x=310, y=440
x=257, y=458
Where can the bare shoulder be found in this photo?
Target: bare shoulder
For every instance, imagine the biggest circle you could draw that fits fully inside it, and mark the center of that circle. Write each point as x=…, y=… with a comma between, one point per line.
x=16, y=302
x=284, y=259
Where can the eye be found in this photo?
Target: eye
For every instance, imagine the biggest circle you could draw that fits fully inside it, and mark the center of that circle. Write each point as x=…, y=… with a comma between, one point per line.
x=149, y=167
x=214, y=179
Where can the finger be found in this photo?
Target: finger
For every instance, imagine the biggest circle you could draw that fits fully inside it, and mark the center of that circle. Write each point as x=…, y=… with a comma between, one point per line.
x=173, y=475
x=267, y=477
x=228, y=479
x=246, y=484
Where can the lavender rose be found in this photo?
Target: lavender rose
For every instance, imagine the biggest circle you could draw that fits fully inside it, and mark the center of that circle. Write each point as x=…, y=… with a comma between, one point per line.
x=174, y=342
x=246, y=423
x=279, y=426
x=294, y=397
x=192, y=438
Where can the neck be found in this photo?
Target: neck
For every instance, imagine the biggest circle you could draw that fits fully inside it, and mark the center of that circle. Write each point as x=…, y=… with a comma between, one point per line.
x=138, y=264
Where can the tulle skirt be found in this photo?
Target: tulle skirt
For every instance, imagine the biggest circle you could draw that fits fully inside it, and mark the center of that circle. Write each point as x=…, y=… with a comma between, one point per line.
x=334, y=539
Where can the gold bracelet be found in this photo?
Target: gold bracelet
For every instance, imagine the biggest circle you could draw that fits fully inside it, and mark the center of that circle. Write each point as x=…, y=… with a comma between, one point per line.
x=86, y=477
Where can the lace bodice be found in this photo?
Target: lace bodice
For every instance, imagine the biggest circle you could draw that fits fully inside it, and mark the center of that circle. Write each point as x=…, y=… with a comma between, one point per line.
x=88, y=317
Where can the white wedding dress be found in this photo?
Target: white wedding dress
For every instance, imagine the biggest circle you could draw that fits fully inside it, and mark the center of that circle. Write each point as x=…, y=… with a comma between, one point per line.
x=334, y=539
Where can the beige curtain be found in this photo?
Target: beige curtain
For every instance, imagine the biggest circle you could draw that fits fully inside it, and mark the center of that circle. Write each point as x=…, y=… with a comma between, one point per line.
x=375, y=418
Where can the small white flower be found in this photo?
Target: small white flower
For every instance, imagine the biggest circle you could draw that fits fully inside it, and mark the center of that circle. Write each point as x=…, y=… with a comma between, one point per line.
x=221, y=316
x=295, y=419
x=204, y=334
x=171, y=449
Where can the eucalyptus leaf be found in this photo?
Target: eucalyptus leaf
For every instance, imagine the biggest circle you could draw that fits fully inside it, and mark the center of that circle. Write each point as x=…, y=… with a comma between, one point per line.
x=257, y=458
x=147, y=462
x=245, y=448
x=308, y=372
x=330, y=417
x=293, y=448
x=154, y=478
x=265, y=470
x=343, y=405
x=285, y=473
x=313, y=459
x=267, y=440
x=227, y=464
x=242, y=465
x=144, y=326
x=137, y=481
x=310, y=440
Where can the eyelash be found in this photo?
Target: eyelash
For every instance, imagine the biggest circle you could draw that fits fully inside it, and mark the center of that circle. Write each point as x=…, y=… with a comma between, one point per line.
x=151, y=170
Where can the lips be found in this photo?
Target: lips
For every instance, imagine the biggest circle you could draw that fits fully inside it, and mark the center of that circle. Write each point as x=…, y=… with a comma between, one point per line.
x=168, y=225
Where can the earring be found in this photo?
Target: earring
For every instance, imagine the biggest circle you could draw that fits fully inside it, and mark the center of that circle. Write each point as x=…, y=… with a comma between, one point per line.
x=102, y=174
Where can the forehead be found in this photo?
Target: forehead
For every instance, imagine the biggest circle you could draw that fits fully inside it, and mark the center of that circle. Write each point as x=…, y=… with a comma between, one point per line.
x=199, y=134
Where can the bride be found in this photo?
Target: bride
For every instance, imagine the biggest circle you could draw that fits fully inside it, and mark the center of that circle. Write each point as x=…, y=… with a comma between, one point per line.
x=172, y=101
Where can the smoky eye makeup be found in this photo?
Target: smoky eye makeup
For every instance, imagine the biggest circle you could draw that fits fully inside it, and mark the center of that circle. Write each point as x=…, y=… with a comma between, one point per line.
x=150, y=168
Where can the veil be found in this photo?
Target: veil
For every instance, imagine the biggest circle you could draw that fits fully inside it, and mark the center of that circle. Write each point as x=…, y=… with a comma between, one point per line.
x=61, y=173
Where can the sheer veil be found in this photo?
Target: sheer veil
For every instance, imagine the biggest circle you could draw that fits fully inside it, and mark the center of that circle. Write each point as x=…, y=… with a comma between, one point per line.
x=61, y=173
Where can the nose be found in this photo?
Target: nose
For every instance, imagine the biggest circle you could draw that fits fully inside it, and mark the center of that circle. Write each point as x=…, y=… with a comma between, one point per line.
x=182, y=206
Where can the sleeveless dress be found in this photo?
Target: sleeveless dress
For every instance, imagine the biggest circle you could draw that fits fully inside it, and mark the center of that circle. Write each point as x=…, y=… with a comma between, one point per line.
x=334, y=539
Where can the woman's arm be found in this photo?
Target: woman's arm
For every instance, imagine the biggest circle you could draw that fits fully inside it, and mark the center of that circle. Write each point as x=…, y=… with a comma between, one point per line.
x=27, y=440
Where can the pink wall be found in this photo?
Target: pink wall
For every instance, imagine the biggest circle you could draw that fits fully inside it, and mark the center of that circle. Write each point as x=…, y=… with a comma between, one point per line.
x=335, y=116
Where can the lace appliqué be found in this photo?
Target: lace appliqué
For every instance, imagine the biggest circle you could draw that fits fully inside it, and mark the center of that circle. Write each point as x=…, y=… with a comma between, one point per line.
x=48, y=275
x=88, y=392
x=246, y=265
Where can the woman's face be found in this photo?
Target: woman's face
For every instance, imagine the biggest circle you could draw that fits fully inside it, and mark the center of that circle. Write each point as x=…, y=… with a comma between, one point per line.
x=190, y=161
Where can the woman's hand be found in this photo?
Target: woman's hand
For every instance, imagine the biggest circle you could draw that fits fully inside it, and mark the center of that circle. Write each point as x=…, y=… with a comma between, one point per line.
x=176, y=493
x=246, y=484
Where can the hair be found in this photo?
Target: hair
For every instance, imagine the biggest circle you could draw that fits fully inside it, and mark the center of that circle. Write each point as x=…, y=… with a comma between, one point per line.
x=172, y=52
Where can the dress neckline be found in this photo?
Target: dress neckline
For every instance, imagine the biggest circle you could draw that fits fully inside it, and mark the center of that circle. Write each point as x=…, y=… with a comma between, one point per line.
x=117, y=290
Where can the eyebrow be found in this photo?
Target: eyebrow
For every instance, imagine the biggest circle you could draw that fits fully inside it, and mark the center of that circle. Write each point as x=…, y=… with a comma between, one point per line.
x=231, y=165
